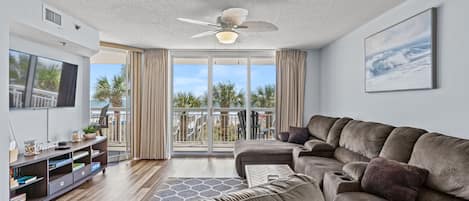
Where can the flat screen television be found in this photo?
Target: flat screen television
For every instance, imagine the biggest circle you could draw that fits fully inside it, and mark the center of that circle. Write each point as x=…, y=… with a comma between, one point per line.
x=39, y=82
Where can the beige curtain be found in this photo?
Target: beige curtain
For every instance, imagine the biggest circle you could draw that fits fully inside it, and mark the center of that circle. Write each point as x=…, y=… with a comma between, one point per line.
x=135, y=73
x=154, y=101
x=290, y=88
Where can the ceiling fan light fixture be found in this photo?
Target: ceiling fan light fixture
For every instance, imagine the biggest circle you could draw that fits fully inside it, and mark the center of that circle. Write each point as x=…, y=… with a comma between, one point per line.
x=227, y=37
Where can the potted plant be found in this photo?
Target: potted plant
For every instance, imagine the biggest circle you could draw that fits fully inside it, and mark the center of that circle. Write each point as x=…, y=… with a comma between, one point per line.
x=90, y=132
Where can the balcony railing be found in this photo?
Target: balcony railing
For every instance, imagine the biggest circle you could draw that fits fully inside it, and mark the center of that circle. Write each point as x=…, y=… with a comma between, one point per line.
x=117, y=130
x=40, y=98
x=190, y=128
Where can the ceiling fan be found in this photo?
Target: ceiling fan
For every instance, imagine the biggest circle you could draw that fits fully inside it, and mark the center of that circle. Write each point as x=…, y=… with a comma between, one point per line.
x=230, y=24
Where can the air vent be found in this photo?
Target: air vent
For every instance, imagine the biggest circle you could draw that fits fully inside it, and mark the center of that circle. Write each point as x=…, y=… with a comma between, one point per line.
x=52, y=16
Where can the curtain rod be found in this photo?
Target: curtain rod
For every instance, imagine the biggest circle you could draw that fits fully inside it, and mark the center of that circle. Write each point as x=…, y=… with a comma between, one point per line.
x=119, y=46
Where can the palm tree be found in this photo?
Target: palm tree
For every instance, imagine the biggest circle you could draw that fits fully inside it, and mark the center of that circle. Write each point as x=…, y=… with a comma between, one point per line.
x=264, y=97
x=185, y=100
x=225, y=95
x=111, y=92
x=48, y=77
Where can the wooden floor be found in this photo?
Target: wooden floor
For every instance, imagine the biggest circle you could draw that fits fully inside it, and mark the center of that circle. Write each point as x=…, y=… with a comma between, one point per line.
x=134, y=180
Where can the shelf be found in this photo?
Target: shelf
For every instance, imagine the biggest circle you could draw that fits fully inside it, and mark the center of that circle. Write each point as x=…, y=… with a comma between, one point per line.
x=68, y=161
x=98, y=154
x=24, y=185
x=38, y=190
x=80, y=155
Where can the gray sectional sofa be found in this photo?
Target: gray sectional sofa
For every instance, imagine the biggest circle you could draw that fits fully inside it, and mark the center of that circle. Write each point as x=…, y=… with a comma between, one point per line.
x=339, y=150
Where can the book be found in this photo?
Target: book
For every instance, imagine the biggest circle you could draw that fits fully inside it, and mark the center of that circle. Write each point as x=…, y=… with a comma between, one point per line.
x=59, y=163
x=79, y=154
x=26, y=179
x=95, y=166
x=20, y=197
x=77, y=166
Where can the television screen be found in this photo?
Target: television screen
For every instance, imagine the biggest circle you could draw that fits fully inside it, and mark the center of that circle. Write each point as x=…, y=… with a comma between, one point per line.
x=38, y=82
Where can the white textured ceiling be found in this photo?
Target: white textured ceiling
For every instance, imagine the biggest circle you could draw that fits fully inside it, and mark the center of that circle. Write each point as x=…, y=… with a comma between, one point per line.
x=302, y=24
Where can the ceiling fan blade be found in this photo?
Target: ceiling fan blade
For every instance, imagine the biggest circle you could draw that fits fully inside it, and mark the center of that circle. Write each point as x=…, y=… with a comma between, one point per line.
x=203, y=34
x=198, y=22
x=257, y=26
x=234, y=16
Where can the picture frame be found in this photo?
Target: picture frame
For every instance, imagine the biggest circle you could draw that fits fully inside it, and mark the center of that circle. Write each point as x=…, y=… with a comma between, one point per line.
x=403, y=56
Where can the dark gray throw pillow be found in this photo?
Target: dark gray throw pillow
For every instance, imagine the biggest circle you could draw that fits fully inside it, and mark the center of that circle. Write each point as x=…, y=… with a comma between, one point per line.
x=393, y=180
x=298, y=135
x=283, y=136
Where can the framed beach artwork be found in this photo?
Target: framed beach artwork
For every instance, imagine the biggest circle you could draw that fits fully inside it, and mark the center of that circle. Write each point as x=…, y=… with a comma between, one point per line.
x=403, y=56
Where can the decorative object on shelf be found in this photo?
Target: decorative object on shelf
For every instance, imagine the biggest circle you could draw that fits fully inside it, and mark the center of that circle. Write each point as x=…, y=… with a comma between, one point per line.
x=30, y=148
x=90, y=132
x=76, y=137
x=13, y=145
x=62, y=146
x=403, y=56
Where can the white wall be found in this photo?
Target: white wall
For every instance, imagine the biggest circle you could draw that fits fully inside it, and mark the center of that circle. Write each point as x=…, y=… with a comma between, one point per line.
x=32, y=124
x=24, y=18
x=4, y=134
x=311, y=104
x=444, y=109
x=27, y=19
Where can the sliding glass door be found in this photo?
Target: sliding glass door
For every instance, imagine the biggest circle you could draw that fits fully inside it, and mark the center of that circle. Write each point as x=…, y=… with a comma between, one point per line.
x=189, y=131
x=229, y=98
x=219, y=99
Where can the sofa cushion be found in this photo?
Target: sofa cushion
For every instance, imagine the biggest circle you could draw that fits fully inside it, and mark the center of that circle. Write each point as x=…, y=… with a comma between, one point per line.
x=283, y=136
x=426, y=194
x=346, y=156
x=364, y=138
x=295, y=188
x=393, y=180
x=400, y=143
x=298, y=135
x=358, y=196
x=446, y=158
x=319, y=126
x=333, y=136
x=262, y=152
x=315, y=167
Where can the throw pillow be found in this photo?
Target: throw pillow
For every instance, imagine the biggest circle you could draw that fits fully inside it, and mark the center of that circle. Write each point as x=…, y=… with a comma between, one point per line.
x=298, y=135
x=283, y=136
x=393, y=180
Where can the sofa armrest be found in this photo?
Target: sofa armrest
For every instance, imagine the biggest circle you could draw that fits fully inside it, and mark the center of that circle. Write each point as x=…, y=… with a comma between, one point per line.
x=356, y=170
x=302, y=151
x=336, y=182
x=296, y=187
x=318, y=145
x=314, y=148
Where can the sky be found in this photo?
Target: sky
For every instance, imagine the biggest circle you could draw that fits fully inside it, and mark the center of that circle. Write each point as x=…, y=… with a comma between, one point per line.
x=194, y=77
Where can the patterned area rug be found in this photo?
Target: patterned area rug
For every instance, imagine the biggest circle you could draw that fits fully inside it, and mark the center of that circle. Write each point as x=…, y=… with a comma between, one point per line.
x=188, y=189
